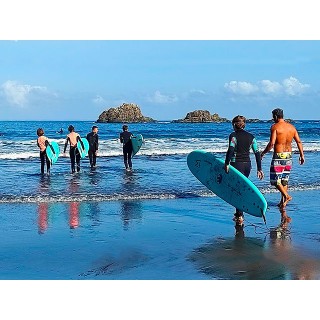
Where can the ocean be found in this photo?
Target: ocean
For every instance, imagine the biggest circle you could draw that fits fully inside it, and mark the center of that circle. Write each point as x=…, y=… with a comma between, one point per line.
x=148, y=224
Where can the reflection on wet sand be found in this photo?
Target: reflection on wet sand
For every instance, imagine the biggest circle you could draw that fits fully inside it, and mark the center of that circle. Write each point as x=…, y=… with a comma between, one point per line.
x=130, y=210
x=42, y=217
x=257, y=259
x=43, y=207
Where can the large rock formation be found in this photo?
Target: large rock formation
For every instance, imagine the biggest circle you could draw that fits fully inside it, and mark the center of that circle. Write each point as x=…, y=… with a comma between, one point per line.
x=127, y=112
x=201, y=116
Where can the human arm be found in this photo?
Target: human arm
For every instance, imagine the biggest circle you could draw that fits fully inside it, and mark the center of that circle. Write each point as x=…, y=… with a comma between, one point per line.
x=230, y=152
x=272, y=141
x=65, y=145
x=257, y=155
x=97, y=144
x=300, y=147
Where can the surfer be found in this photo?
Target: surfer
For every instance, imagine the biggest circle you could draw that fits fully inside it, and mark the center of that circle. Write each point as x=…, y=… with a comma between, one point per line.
x=72, y=138
x=125, y=139
x=42, y=143
x=281, y=135
x=60, y=131
x=238, y=154
x=92, y=138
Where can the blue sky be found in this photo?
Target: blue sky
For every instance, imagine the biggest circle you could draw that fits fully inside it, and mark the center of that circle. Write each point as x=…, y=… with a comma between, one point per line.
x=77, y=80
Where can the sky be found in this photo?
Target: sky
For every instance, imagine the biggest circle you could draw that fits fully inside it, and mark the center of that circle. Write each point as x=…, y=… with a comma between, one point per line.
x=77, y=80
x=61, y=62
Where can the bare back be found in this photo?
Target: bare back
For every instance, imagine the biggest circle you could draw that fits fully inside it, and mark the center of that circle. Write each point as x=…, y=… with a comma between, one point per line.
x=282, y=134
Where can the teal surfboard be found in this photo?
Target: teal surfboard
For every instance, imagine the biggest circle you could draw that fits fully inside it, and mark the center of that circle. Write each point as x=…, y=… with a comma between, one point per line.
x=233, y=187
x=52, y=151
x=137, y=141
x=83, y=147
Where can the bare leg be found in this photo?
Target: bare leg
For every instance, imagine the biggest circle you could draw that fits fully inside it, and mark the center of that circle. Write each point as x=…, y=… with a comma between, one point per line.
x=285, y=198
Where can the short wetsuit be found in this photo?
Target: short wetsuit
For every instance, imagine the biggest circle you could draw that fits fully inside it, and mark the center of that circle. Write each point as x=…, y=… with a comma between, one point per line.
x=42, y=144
x=73, y=138
x=281, y=164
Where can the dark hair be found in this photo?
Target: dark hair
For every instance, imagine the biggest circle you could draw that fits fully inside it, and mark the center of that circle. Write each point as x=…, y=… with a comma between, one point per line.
x=71, y=128
x=124, y=127
x=239, y=122
x=40, y=132
x=94, y=127
x=277, y=113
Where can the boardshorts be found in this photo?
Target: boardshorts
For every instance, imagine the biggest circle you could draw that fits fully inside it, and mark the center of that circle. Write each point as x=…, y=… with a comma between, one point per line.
x=280, y=168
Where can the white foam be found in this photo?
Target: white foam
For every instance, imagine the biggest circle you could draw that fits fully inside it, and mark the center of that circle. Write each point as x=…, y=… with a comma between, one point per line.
x=151, y=147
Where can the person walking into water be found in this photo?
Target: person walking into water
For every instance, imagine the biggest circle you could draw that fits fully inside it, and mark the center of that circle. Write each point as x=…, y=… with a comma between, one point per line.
x=42, y=143
x=281, y=136
x=93, y=140
x=125, y=139
x=238, y=154
x=73, y=138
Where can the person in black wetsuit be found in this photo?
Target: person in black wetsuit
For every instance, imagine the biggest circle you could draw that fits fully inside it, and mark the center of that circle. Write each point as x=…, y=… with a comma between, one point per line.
x=42, y=143
x=93, y=140
x=73, y=138
x=238, y=154
x=125, y=139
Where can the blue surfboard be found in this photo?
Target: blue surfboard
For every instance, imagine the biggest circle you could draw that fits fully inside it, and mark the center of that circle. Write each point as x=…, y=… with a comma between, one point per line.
x=233, y=187
x=137, y=141
x=83, y=147
x=53, y=151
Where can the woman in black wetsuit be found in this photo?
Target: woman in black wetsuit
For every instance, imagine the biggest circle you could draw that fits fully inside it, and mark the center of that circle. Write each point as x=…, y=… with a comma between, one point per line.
x=125, y=139
x=238, y=154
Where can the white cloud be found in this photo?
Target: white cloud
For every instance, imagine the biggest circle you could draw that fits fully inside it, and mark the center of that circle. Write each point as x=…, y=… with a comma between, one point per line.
x=197, y=92
x=270, y=87
x=19, y=94
x=241, y=87
x=293, y=86
x=161, y=98
x=289, y=86
x=98, y=100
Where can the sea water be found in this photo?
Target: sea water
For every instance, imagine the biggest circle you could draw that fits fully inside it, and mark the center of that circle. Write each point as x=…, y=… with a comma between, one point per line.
x=109, y=224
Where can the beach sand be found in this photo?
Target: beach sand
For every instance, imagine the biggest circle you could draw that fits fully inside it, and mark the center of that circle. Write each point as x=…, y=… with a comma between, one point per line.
x=190, y=238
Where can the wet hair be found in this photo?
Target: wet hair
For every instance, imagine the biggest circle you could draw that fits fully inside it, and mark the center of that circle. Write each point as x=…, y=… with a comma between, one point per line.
x=71, y=128
x=239, y=122
x=277, y=113
x=40, y=132
x=94, y=127
x=124, y=127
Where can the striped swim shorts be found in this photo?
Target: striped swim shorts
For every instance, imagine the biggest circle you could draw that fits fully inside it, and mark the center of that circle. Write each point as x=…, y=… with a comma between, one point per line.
x=280, y=168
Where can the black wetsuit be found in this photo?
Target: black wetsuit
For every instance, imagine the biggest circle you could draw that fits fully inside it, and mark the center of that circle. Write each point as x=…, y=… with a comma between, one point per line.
x=238, y=154
x=93, y=140
x=125, y=138
x=74, y=155
x=44, y=160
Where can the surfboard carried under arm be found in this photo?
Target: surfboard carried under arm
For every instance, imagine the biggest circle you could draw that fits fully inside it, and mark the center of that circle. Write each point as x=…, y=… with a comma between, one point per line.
x=137, y=142
x=233, y=187
x=53, y=151
x=83, y=147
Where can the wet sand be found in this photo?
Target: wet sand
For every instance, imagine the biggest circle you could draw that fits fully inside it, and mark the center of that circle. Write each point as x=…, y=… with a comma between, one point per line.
x=190, y=239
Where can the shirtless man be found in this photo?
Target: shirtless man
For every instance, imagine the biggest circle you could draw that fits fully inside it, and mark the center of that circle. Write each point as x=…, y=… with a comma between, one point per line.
x=282, y=134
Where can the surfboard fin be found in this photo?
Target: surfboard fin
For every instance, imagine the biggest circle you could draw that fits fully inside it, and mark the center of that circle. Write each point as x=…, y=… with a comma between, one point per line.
x=264, y=218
